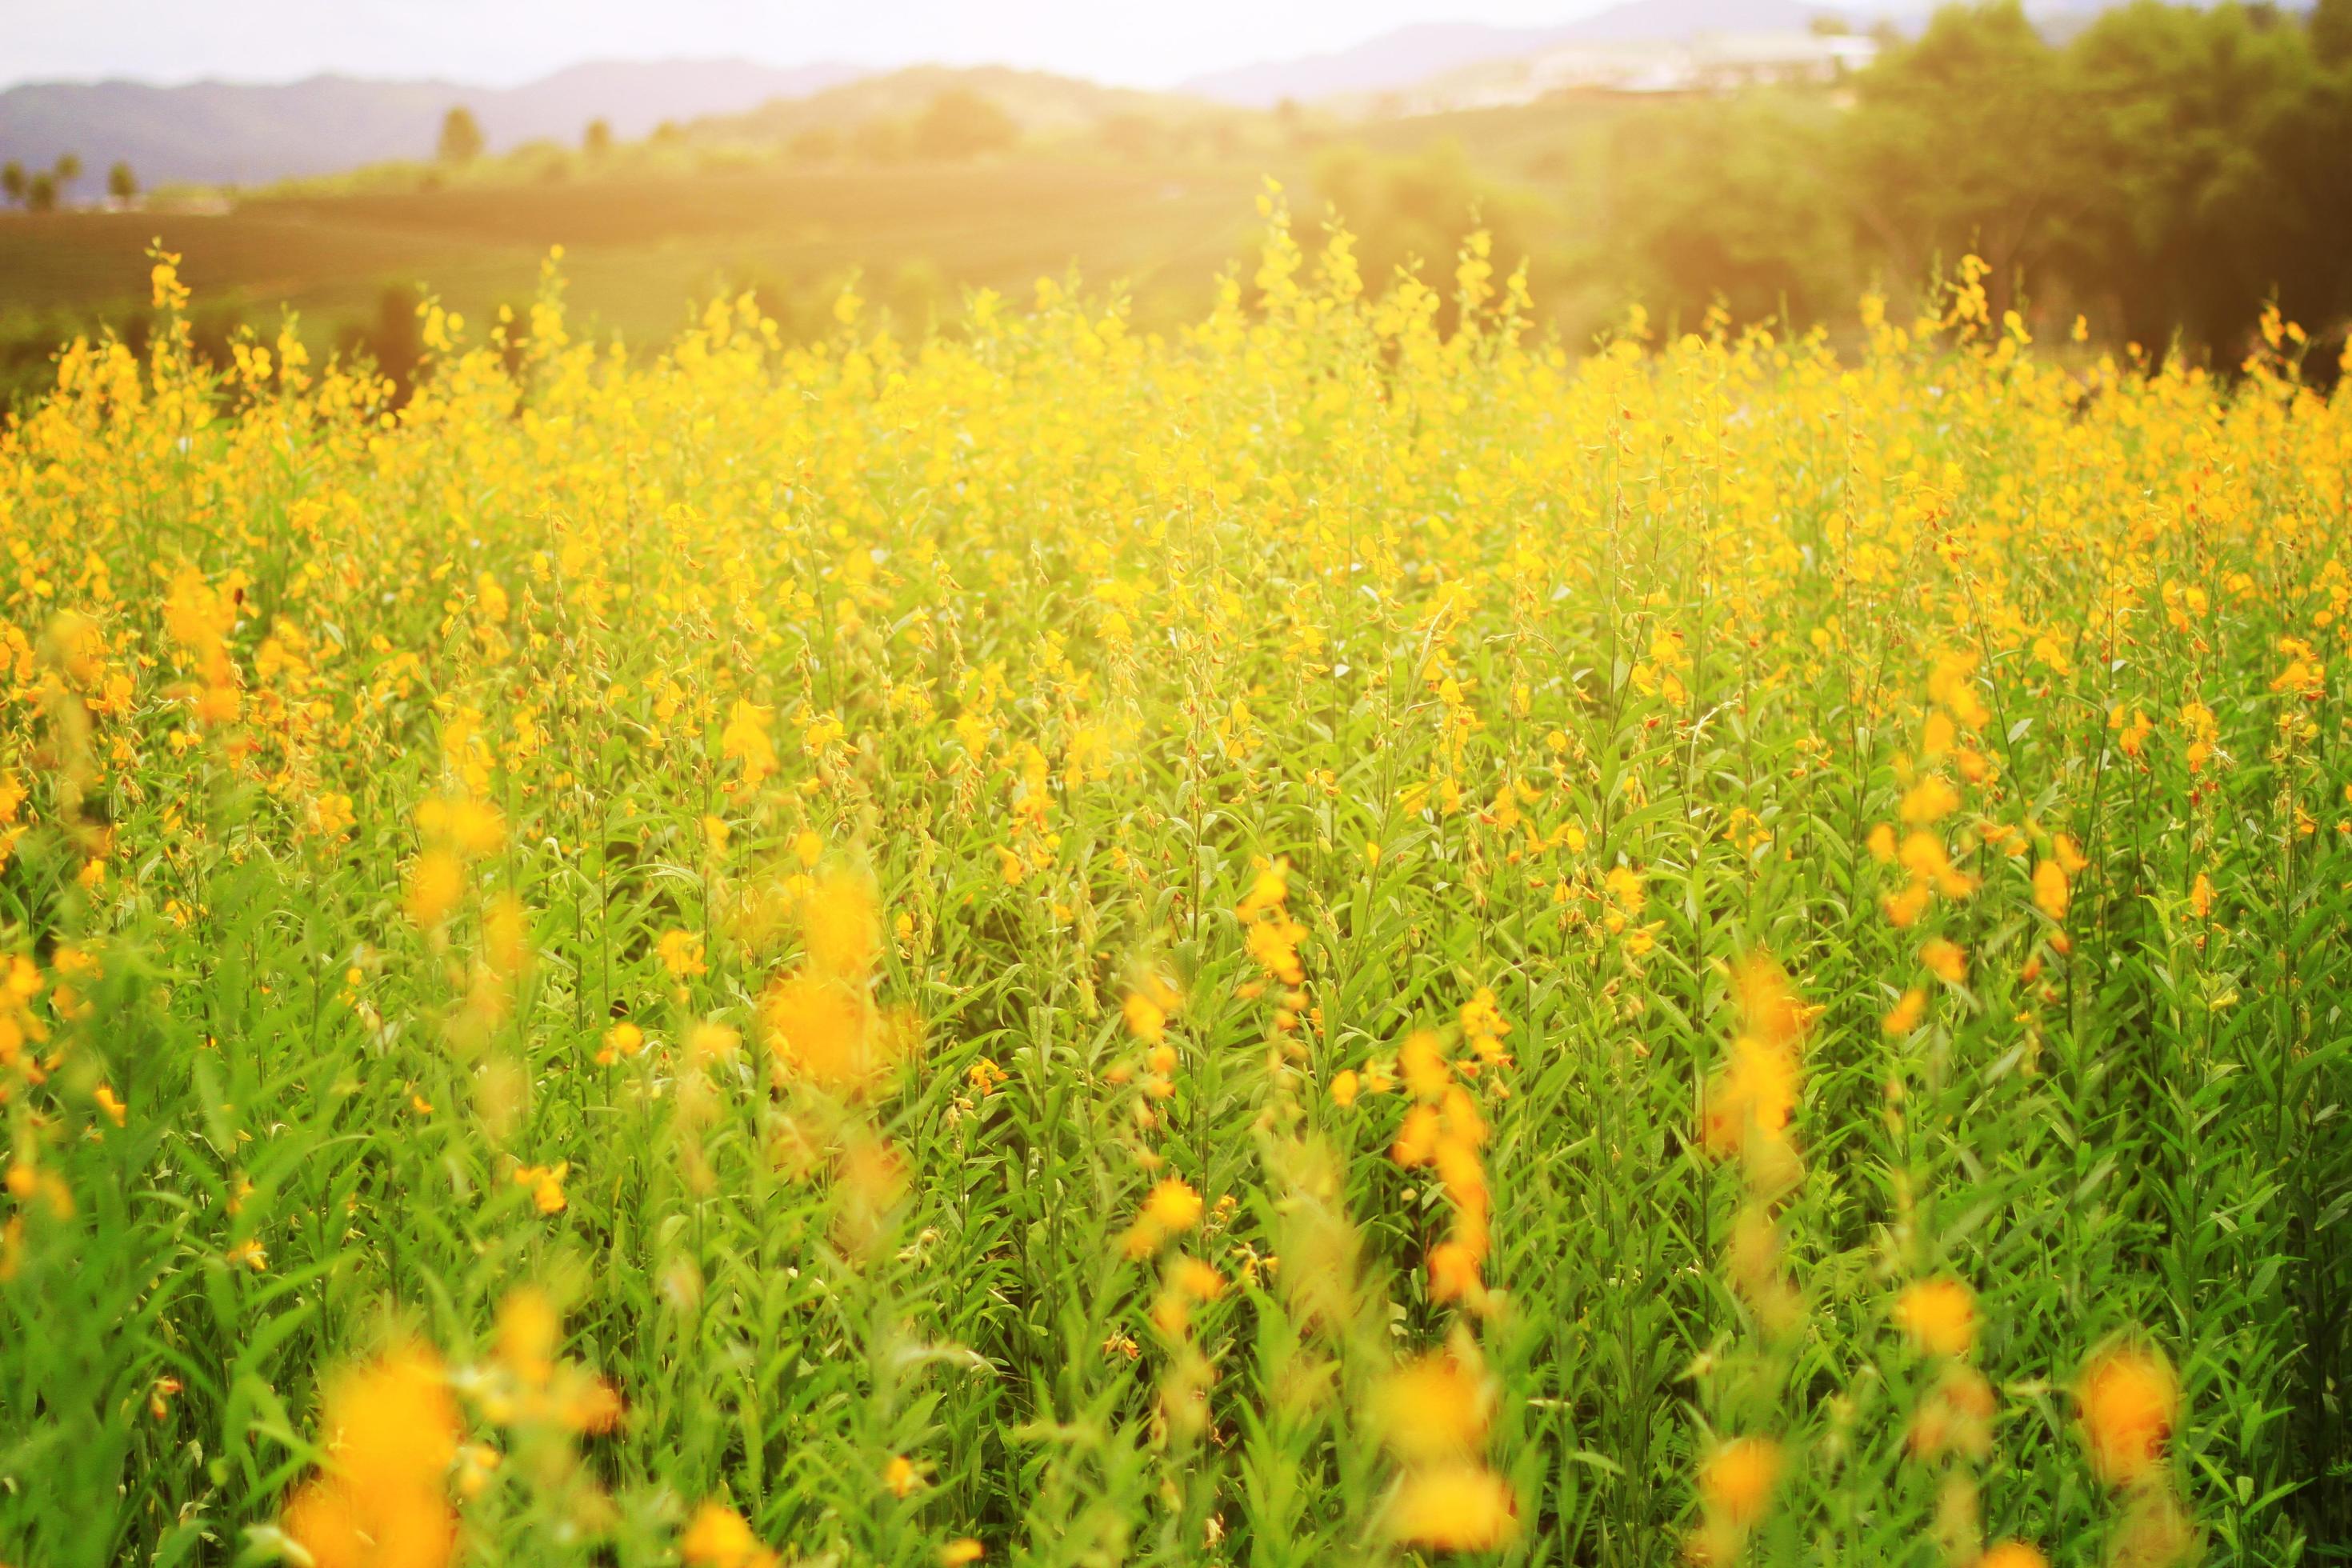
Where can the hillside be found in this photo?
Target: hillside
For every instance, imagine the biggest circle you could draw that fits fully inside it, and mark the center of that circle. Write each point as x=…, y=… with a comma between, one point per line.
x=640, y=249
x=216, y=132
x=1040, y=103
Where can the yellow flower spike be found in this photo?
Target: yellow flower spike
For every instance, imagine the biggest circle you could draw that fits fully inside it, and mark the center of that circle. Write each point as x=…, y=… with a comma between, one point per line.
x=434, y=885
x=390, y=1429
x=1432, y=1408
x=2050, y=894
x=2127, y=1401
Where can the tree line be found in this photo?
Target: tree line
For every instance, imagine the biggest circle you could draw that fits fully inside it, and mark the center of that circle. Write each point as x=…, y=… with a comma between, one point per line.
x=42, y=190
x=2163, y=172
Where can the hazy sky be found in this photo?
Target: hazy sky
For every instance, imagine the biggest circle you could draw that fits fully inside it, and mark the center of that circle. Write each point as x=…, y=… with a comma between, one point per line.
x=505, y=41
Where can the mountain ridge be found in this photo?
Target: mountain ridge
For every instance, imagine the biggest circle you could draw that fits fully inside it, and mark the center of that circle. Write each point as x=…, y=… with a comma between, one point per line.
x=220, y=131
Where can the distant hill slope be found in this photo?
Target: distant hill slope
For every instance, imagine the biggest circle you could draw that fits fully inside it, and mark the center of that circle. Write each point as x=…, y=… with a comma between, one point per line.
x=1039, y=102
x=233, y=132
x=1410, y=56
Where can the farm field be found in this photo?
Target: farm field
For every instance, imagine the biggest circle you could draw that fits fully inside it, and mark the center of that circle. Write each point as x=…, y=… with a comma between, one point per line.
x=1299, y=940
x=350, y=257
x=638, y=247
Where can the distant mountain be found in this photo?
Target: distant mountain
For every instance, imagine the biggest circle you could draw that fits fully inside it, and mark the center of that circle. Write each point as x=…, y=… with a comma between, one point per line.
x=230, y=133
x=1410, y=56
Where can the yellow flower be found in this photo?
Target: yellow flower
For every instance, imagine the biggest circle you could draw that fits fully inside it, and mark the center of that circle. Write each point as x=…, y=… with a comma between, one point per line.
x=546, y=1184
x=1453, y=1274
x=1945, y=961
x=719, y=1539
x=528, y=1331
x=2050, y=890
x=1197, y=1279
x=434, y=885
x=1146, y=1020
x=2011, y=1554
x=1432, y=1408
x=2127, y=1401
x=825, y=1030
x=840, y=928
x=1737, y=1478
x=1939, y=1315
x=681, y=955
x=1174, y=1206
x=745, y=740
x=390, y=1429
x=1930, y=800
x=622, y=1039
x=963, y=1550
x=1454, y=1507
x=713, y=1042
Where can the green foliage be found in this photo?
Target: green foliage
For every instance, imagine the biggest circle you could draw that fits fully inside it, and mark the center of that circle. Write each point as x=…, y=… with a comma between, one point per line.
x=1726, y=204
x=1561, y=688
x=461, y=137
x=960, y=123
x=1409, y=214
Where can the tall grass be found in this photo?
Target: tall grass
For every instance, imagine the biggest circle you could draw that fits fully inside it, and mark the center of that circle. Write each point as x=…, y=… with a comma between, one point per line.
x=1310, y=941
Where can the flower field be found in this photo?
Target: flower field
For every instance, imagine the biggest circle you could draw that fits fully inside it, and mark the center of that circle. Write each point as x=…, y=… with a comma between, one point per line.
x=1343, y=937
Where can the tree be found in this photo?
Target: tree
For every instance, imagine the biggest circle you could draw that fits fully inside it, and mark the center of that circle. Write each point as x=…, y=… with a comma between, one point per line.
x=2331, y=33
x=598, y=142
x=959, y=123
x=121, y=182
x=816, y=144
x=1131, y=135
x=41, y=193
x=1964, y=141
x=881, y=140
x=461, y=136
x=1722, y=199
x=2195, y=215
x=68, y=170
x=12, y=181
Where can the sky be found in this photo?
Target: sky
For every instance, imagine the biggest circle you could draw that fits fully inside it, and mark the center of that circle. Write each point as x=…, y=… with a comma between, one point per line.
x=503, y=42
